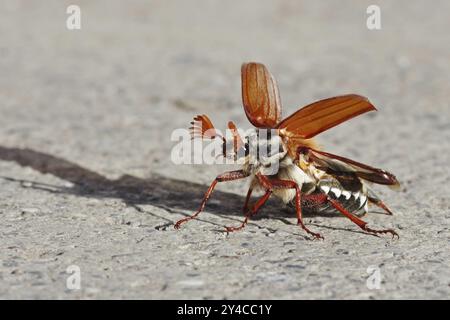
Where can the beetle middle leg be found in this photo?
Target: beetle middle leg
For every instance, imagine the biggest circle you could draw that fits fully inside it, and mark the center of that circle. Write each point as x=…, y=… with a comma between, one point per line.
x=251, y=212
x=227, y=176
x=245, y=209
x=298, y=198
x=269, y=185
x=258, y=204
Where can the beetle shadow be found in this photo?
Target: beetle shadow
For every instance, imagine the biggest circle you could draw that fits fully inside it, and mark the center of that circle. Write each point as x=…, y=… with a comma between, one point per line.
x=172, y=195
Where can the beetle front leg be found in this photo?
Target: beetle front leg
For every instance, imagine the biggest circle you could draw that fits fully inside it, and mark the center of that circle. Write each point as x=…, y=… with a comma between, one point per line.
x=227, y=176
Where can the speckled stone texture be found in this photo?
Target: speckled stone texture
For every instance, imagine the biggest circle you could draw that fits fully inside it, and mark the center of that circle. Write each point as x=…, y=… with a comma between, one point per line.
x=85, y=172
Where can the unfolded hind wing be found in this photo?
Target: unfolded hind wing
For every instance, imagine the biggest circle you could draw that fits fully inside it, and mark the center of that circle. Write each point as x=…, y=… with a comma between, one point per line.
x=346, y=169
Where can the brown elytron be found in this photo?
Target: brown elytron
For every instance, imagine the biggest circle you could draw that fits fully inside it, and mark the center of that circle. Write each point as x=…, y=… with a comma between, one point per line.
x=260, y=96
x=307, y=178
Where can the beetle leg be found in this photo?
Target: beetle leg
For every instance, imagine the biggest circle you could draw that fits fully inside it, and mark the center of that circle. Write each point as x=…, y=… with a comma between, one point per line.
x=360, y=223
x=288, y=184
x=227, y=176
x=247, y=200
x=379, y=203
x=252, y=212
x=266, y=183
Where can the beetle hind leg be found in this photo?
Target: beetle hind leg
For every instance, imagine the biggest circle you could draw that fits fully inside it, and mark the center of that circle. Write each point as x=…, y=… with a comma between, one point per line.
x=380, y=204
x=360, y=223
x=374, y=199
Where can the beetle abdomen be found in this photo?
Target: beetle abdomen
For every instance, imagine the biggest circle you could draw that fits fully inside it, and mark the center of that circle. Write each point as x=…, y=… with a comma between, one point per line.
x=355, y=202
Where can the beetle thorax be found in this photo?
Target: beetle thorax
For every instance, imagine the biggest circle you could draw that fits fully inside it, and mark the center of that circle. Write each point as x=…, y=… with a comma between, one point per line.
x=264, y=151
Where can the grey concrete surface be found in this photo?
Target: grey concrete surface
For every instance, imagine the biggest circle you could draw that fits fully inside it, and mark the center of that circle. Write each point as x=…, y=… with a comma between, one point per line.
x=85, y=171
